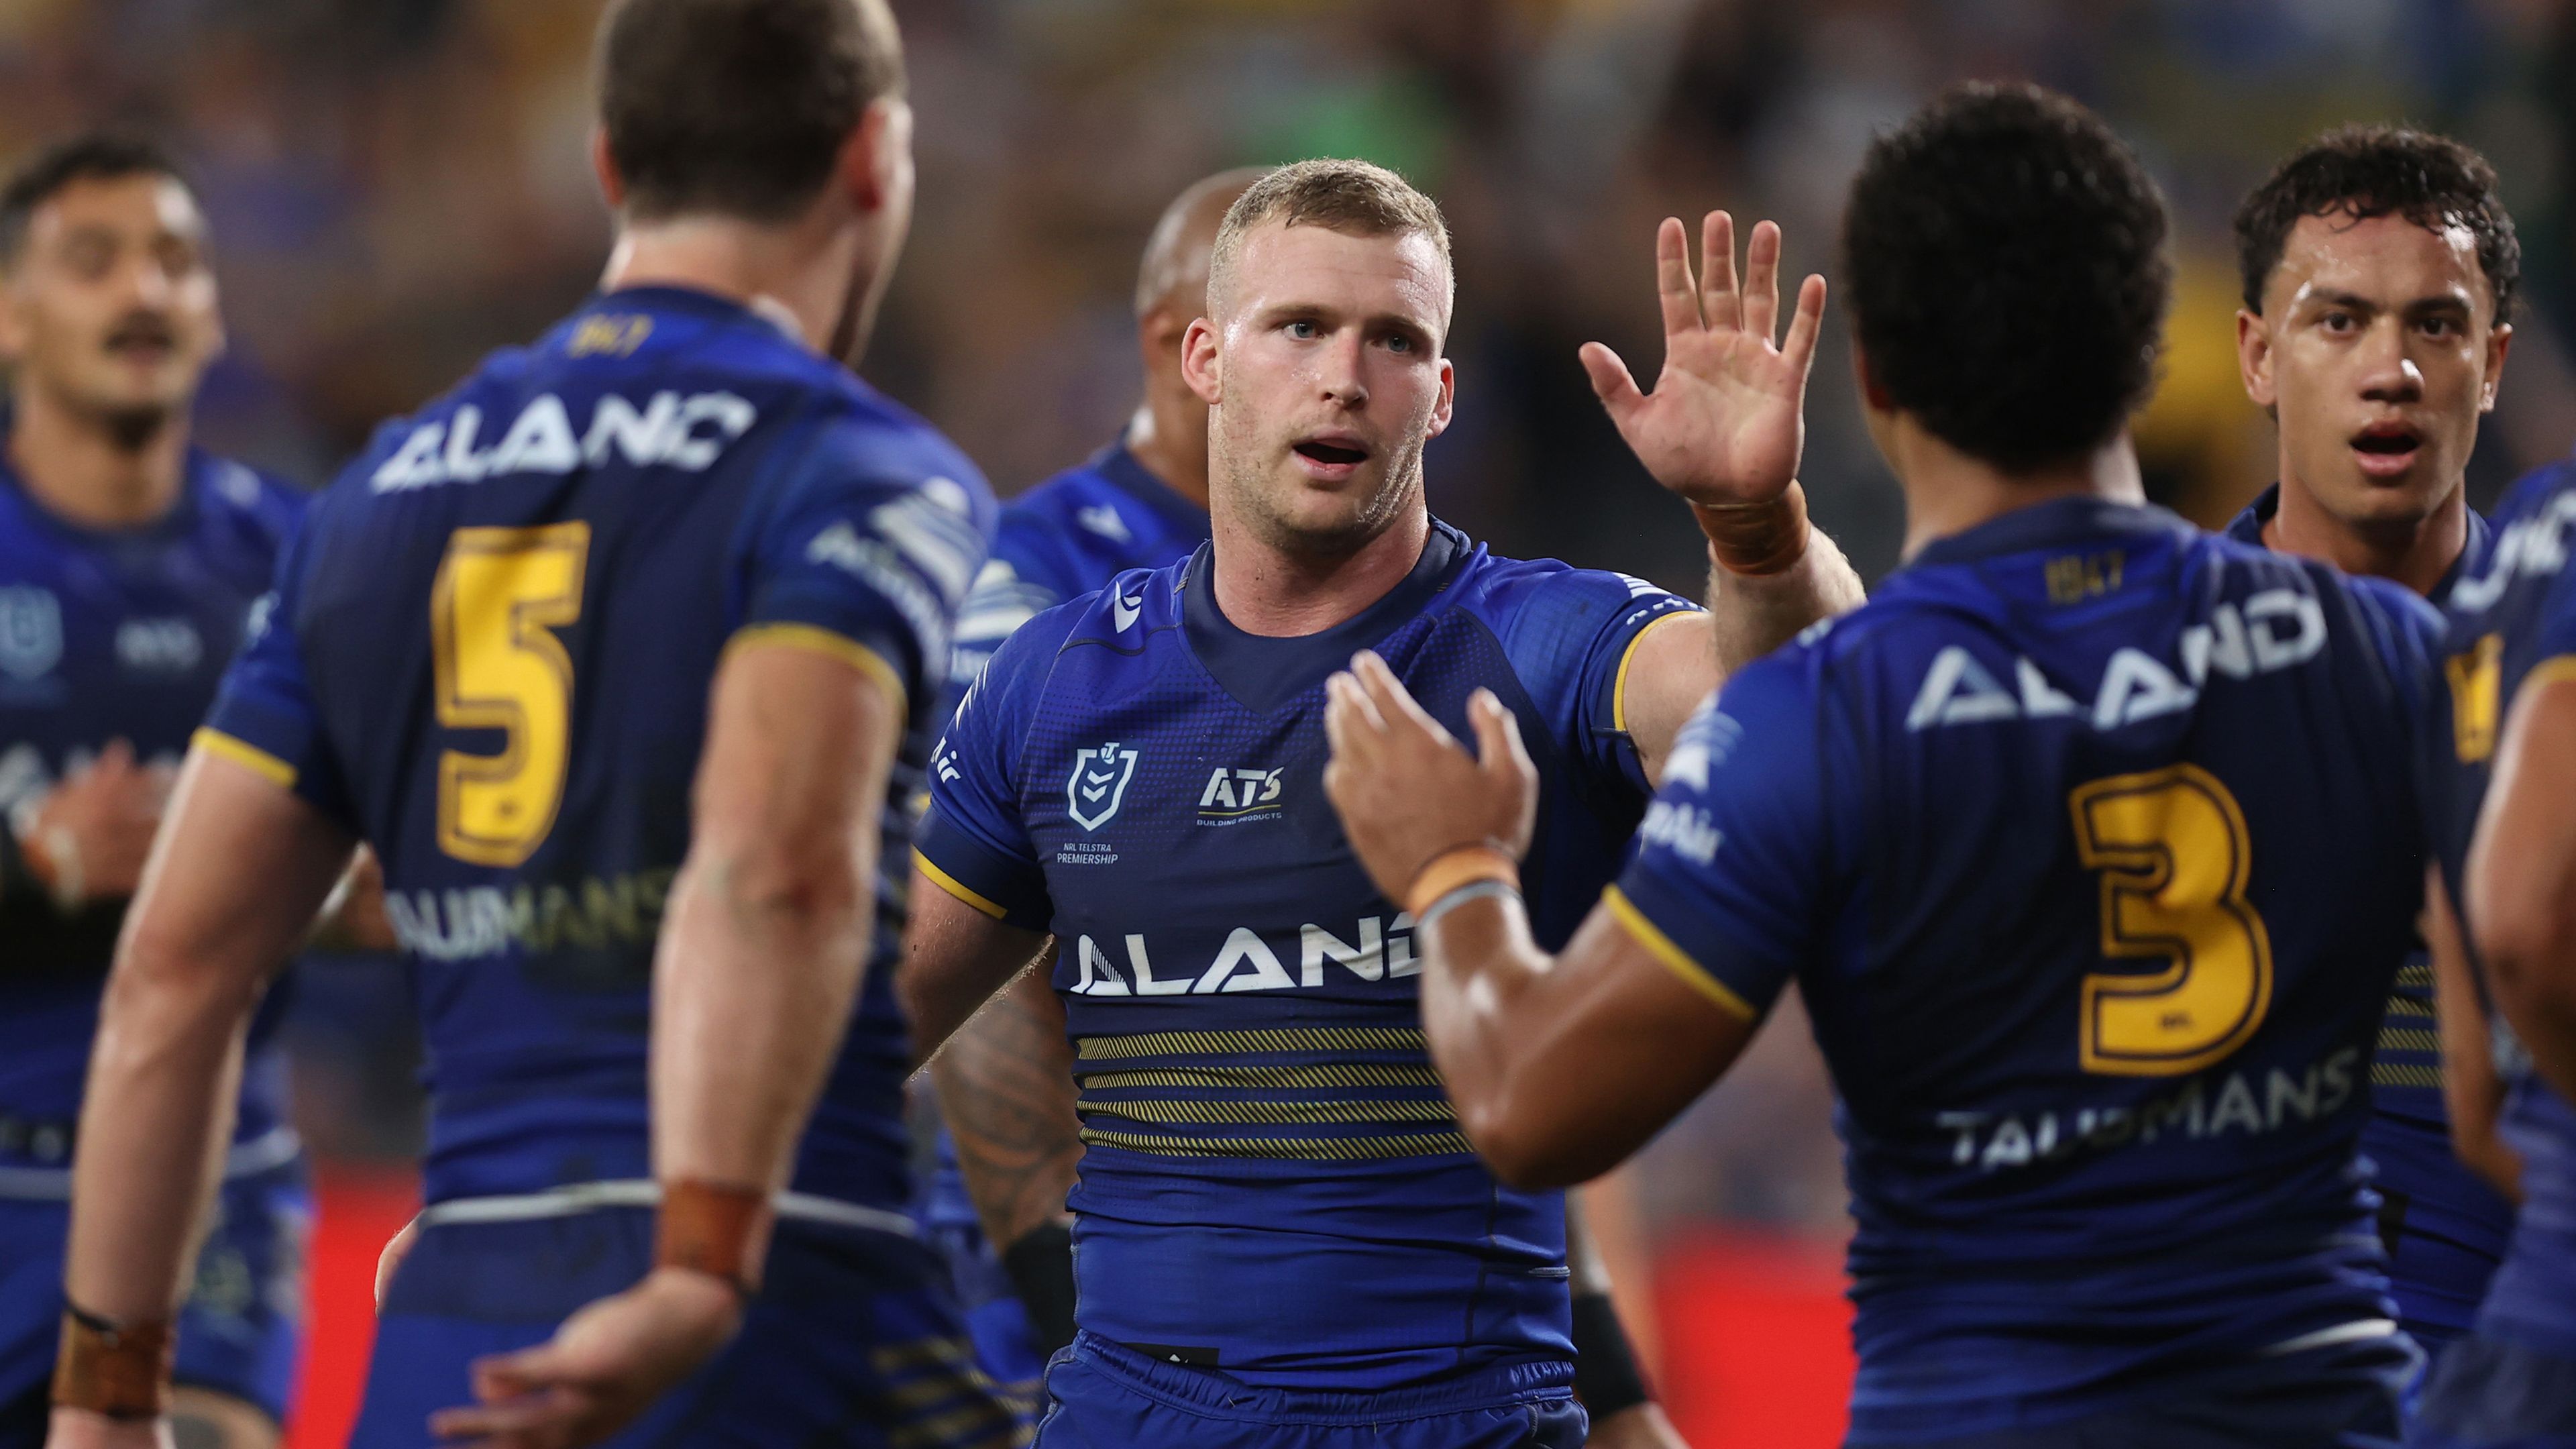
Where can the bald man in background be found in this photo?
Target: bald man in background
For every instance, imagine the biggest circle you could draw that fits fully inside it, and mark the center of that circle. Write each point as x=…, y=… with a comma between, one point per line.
x=1139, y=503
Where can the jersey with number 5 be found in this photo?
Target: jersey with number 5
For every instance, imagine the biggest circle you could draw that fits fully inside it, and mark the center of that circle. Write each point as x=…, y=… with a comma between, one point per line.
x=2090, y=843
x=489, y=655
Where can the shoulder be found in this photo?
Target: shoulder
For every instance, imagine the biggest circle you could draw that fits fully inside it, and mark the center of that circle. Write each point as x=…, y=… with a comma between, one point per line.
x=1546, y=601
x=268, y=505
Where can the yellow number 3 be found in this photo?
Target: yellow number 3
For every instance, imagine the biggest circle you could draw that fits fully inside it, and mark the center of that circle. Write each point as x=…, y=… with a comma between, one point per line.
x=501, y=592
x=2173, y=851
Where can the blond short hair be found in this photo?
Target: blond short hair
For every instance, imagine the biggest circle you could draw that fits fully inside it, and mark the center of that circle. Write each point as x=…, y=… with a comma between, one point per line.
x=1351, y=197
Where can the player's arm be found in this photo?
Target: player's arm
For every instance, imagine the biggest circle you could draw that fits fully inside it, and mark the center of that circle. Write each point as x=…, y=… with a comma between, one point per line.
x=229, y=890
x=1724, y=429
x=2472, y=1092
x=2520, y=887
x=759, y=964
x=1006, y=1090
x=1558, y=1067
x=1606, y=1374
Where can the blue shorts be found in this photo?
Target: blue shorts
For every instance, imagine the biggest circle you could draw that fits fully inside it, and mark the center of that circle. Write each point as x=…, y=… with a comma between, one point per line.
x=2487, y=1393
x=2445, y=1230
x=852, y=1341
x=239, y=1329
x=2341, y=1397
x=1102, y=1395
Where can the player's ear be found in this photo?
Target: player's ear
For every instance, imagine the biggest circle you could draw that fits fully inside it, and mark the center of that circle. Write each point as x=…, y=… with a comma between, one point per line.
x=603, y=164
x=876, y=161
x=1440, y=412
x=2499, y=342
x=2254, y=357
x=1199, y=365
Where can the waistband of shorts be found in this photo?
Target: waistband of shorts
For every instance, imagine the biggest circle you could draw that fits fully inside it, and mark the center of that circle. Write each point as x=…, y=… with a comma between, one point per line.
x=644, y=1192
x=1218, y=1393
x=269, y=1151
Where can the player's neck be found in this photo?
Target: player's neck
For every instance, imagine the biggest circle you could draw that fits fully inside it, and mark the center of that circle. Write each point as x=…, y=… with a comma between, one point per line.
x=1281, y=593
x=2415, y=553
x=1160, y=437
x=92, y=470
x=1948, y=492
x=789, y=273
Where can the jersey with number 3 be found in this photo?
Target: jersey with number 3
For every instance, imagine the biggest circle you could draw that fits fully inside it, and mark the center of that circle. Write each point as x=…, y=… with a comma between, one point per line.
x=490, y=653
x=2090, y=843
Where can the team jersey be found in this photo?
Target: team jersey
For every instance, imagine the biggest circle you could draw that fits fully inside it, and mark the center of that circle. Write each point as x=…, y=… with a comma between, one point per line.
x=2446, y=1228
x=1274, y=1184
x=1067, y=536
x=2514, y=623
x=489, y=655
x=2091, y=844
x=106, y=635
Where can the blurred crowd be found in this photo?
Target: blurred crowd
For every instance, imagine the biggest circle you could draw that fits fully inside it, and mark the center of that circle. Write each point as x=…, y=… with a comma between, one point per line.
x=396, y=186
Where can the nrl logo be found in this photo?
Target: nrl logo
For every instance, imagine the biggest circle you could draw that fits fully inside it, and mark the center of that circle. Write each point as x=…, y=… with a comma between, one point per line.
x=1099, y=782
x=31, y=632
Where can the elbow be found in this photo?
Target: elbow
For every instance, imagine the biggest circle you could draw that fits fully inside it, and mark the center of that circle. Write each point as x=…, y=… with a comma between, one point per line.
x=1522, y=1150
x=2528, y=962
x=812, y=880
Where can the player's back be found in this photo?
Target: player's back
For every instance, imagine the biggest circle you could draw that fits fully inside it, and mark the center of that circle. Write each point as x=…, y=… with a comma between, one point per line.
x=2511, y=625
x=2113, y=860
x=508, y=614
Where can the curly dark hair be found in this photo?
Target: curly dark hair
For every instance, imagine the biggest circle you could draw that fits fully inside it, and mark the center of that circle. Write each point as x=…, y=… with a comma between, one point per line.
x=2367, y=171
x=2004, y=254
x=92, y=156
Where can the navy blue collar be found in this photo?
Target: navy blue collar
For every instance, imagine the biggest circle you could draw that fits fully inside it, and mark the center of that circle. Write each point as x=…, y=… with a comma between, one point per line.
x=2054, y=523
x=1137, y=481
x=2247, y=527
x=176, y=521
x=1263, y=673
x=691, y=302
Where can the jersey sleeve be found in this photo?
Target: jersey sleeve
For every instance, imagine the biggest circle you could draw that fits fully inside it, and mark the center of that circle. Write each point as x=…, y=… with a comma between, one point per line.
x=1577, y=639
x=867, y=554
x=1020, y=581
x=265, y=715
x=974, y=839
x=1734, y=861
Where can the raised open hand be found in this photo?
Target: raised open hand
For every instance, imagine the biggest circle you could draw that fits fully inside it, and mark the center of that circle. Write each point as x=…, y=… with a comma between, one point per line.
x=1727, y=418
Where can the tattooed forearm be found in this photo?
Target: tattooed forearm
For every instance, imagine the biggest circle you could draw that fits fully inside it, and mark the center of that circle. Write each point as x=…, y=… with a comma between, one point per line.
x=1006, y=1087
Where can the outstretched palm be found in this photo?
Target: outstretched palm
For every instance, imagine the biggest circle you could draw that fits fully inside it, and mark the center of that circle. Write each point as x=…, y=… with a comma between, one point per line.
x=1727, y=418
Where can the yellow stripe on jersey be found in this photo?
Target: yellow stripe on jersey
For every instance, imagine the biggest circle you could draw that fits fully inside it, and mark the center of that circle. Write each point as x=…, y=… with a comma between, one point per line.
x=1651, y=936
x=260, y=762
x=838, y=646
x=2551, y=670
x=1282, y=1039
x=957, y=888
x=1619, y=683
x=1290, y=1149
x=1270, y=1114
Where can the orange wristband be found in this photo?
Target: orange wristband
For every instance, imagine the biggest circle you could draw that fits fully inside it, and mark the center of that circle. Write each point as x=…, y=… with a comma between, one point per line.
x=713, y=1228
x=1757, y=538
x=1458, y=865
x=120, y=1370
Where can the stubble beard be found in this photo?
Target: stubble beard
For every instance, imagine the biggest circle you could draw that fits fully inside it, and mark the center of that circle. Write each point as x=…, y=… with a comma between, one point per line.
x=1253, y=492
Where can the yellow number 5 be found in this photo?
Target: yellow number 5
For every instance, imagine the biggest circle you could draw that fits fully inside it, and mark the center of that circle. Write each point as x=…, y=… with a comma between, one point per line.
x=500, y=594
x=2173, y=851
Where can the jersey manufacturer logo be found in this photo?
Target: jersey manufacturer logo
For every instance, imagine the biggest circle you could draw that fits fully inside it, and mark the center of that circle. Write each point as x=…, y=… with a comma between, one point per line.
x=159, y=646
x=31, y=632
x=1102, y=519
x=1098, y=783
x=1124, y=611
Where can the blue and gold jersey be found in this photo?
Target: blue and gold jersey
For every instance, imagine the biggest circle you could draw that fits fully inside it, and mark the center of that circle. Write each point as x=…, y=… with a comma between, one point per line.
x=1274, y=1184
x=2445, y=1226
x=108, y=635
x=489, y=655
x=2512, y=623
x=2091, y=843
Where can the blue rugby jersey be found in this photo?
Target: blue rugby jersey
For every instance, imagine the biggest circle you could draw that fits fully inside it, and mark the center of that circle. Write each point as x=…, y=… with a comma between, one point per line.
x=2511, y=623
x=1274, y=1184
x=1061, y=539
x=2092, y=844
x=490, y=655
x=109, y=634
x=2450, y=1227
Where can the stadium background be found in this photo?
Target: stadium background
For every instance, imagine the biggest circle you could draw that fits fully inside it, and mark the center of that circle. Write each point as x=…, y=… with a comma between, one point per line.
x=398, y=185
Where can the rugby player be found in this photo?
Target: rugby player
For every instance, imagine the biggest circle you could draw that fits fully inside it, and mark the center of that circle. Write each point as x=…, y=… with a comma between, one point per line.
x=129, y=560
x=1141, y=502
x=2090, y=840
x=1282, y=1239
x=2379, y=269
x=616, y=654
